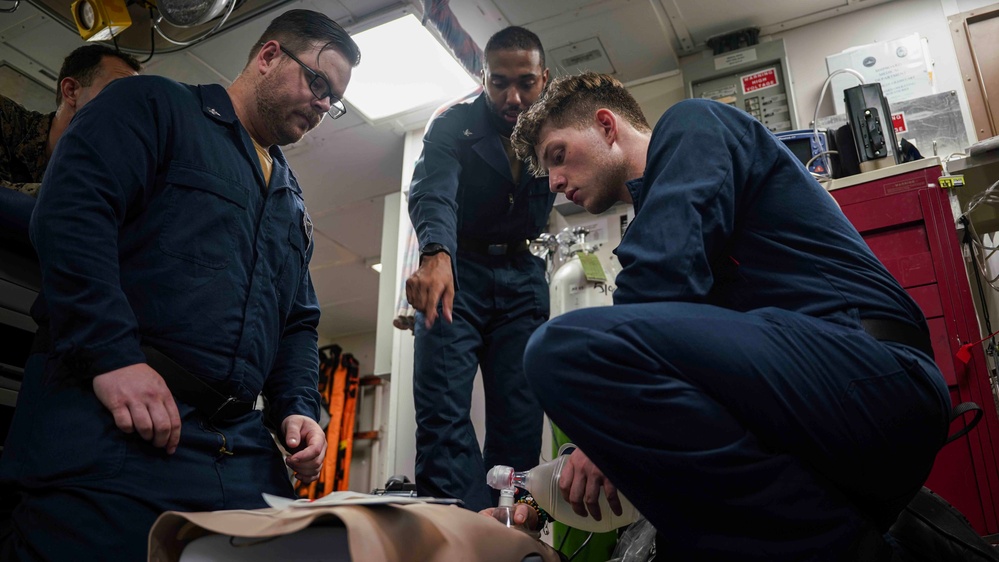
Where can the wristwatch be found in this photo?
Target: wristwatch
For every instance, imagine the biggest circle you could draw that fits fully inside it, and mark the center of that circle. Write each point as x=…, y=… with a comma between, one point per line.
x=432, y=249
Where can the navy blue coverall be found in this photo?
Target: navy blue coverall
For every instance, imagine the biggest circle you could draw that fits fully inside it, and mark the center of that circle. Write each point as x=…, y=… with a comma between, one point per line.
x=731, y=392
x=154, y=225
x=463, y=196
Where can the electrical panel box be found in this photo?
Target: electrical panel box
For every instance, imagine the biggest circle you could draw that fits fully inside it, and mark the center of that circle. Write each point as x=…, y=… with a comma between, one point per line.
x=755, y=79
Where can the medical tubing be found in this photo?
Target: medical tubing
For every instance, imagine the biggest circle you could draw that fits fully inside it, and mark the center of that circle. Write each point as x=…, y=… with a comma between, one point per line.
x=822, y=95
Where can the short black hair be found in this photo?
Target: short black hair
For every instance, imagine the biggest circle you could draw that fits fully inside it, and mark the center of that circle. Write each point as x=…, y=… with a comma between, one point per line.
x=517, y=38
x=84, y=62
x=298, y=30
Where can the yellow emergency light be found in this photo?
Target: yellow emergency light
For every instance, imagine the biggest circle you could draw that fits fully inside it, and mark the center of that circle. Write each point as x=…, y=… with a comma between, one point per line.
x=100, y=20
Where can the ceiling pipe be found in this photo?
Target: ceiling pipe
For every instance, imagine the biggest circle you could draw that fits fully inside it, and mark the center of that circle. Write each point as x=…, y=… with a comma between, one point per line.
x=463, y=47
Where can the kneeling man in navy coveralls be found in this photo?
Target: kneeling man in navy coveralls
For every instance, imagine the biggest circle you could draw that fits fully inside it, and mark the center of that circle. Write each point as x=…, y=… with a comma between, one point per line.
x=762, y=389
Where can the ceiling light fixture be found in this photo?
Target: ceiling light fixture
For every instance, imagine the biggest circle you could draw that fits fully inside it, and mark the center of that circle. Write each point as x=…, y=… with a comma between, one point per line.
x=192, y=13
x=391, y=81
x=374, y=263
x=188, y=13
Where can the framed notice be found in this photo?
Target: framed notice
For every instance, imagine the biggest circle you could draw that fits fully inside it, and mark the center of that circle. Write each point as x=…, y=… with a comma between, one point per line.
x=902, y=67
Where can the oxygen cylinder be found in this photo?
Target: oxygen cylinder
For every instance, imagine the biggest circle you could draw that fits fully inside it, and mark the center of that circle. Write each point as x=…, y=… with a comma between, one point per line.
x=569, y=288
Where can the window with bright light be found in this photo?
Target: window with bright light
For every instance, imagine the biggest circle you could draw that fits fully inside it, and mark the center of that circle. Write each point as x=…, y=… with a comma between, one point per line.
x=403, y=67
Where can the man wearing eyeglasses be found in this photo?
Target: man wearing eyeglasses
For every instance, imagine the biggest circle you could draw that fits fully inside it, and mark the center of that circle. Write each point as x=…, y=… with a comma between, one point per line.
x=174, y=244
x=478, y=291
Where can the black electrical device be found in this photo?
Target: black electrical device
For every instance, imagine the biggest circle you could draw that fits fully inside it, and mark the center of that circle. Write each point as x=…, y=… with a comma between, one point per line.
x=845, y=159
x=870, y=124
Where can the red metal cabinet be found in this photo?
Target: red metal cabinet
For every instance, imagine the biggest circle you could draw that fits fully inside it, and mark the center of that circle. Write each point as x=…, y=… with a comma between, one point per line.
x=907, y=221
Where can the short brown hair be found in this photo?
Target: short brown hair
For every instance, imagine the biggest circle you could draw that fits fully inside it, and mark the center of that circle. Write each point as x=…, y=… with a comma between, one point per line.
x=571, y=101
x=299, y=30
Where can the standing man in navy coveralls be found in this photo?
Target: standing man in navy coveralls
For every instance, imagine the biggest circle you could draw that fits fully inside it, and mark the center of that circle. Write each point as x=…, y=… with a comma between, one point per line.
x=762, y=388
x=169, y=224
x=474, y=207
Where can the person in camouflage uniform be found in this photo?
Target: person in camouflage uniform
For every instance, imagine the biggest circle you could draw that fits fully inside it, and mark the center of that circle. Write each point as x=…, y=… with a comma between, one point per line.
x=25, y=146
x=27, y=138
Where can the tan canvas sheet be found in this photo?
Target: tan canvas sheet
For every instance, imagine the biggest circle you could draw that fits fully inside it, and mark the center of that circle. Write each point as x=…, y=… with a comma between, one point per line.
x=383, y=533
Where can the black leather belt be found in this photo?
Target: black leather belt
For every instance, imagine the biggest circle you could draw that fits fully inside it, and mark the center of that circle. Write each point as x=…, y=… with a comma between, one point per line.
x=184, y=385
x=194, y=391
x=898, y=332
x=485, y=248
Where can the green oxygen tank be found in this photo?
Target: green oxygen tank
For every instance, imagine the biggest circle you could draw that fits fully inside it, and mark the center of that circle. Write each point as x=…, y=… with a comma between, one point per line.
x=568, y=245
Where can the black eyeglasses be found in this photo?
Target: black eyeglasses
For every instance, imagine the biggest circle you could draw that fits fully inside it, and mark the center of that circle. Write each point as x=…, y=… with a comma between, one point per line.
x=320, y=88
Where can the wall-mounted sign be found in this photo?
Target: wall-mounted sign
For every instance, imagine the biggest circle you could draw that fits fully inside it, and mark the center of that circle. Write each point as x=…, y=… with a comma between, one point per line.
x=737, y=58
x=898, y=122
x=901, y=66
x=759, y=80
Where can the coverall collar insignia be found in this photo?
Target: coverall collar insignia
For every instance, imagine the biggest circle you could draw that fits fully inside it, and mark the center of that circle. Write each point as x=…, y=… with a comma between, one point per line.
x=478, y=125
x=215, y=103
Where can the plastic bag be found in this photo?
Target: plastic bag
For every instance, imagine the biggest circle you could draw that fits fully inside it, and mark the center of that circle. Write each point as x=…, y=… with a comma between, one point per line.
x=636, y=544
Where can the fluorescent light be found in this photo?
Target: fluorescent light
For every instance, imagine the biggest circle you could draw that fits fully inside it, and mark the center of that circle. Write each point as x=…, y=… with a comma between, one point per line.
x=374, y=263
x=403, y=67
